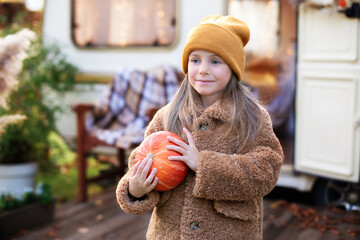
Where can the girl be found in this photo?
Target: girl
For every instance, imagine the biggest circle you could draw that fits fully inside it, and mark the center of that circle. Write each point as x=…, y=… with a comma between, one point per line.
x=232, y=151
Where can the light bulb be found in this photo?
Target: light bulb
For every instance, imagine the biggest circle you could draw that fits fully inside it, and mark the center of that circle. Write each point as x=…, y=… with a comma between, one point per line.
x=34, y=5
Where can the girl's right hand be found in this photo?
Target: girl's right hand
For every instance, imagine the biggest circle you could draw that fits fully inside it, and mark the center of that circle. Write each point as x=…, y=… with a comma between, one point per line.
x=139, y=184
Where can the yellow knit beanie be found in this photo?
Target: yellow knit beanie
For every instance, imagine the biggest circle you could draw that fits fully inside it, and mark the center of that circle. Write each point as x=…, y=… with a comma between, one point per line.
x=224, y=35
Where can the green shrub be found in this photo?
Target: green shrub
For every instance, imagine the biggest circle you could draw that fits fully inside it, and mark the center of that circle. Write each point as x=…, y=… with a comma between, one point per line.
x=44, y=70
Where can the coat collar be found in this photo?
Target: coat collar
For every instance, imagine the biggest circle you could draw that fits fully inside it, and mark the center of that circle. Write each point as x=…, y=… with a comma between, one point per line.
x=219, y=110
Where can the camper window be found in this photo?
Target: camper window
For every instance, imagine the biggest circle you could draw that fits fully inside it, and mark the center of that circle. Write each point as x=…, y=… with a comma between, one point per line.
x=123, y=23
x=262, y=16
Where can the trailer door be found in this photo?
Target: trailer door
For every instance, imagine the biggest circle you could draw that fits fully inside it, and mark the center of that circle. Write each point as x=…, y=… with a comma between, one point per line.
x=327, y=139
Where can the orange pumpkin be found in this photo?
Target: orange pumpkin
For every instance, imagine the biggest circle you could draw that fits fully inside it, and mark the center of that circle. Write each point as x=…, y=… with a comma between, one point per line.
x=170, y=173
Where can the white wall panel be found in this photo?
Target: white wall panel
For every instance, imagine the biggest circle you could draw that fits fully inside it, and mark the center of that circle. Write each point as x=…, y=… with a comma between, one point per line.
x=327, y=35
x=327, y=142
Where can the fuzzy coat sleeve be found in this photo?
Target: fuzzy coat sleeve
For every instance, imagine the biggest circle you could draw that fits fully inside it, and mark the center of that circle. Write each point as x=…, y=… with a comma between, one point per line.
x=241, y=177
x=133, y=205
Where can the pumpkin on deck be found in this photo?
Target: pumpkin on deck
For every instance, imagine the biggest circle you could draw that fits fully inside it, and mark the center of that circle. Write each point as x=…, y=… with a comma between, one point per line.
x=170, y=173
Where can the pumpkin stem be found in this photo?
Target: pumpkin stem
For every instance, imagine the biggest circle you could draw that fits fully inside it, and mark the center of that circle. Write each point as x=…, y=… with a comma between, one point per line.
x=150, y=155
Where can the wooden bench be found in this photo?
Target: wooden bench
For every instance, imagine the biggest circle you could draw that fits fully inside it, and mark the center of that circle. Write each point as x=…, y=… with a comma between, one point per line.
x=86, y=142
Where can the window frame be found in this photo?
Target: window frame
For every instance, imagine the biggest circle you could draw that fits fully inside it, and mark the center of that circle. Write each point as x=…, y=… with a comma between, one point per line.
x=128, y=47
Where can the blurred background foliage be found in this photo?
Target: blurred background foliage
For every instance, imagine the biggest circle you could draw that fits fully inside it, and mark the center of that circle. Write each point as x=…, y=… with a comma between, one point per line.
x=45, y=70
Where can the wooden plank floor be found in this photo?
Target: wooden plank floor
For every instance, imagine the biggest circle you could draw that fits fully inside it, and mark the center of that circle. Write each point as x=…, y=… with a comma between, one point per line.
x=102, y=219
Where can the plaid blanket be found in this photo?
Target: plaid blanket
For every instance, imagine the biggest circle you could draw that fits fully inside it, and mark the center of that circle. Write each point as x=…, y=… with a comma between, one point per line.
x=120, y=116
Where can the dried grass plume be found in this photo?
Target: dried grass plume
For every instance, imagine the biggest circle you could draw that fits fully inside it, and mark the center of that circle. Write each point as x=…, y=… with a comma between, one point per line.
x=12, y=53
x=9, y=119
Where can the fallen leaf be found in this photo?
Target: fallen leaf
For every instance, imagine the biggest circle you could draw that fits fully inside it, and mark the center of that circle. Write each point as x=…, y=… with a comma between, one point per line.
x=51, y=233
x=352, y=219
x=98, y=202
x=271, y=217
x=56, y=227
x=353, y=232
x=335, y=231
x=278, y=203
x=321, y=228
x=83, y=230
x=335, y=209
x=99, y=217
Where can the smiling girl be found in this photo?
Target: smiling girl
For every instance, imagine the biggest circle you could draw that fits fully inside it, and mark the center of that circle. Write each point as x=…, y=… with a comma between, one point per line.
x=232, y=151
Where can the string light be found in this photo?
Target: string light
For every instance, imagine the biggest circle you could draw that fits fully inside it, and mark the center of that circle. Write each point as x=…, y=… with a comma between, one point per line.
x=124, y=26
x=289, y=51
x=161, y=22
x=34, y=5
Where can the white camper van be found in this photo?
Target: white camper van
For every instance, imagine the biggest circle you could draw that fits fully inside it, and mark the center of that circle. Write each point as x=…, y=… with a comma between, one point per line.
x=303, y=62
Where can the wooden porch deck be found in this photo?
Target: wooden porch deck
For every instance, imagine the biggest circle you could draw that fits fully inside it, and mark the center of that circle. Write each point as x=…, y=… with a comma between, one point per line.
x=102, y=219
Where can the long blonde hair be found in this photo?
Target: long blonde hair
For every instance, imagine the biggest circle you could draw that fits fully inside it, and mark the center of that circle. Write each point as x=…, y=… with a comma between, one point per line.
x=245, y=117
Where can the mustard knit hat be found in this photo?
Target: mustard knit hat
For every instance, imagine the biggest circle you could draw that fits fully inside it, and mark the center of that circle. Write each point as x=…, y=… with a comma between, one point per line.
x=224, y=35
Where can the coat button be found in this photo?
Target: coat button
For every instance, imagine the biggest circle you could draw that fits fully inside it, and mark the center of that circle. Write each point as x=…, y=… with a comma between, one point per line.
x=203, y=126
x=194, y=225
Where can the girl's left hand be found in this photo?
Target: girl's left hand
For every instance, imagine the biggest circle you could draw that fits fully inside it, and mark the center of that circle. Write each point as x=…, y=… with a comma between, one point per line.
x=190, y=154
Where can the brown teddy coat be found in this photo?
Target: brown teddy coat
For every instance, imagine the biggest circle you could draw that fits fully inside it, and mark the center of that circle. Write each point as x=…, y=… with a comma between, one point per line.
x=224, y=198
